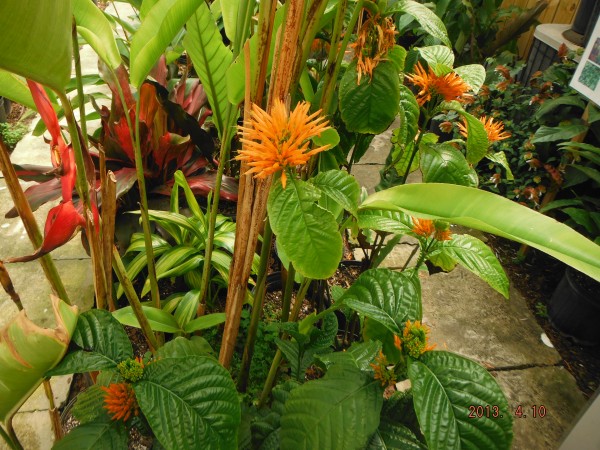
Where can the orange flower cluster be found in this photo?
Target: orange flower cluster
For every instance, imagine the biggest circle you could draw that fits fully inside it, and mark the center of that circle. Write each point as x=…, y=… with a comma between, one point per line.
x=414, y=339
x=450, y=86
x=375, y=38
x=276, y=141
x=494, y=129
x=120, y=401
x=428, y=228
x=379, y=366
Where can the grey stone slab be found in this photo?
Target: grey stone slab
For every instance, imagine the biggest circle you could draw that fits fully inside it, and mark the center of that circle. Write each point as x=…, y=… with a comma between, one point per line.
x=367, y=175
x=551, y=387
x=470, y=318
x=60, y=392
x=34, y=430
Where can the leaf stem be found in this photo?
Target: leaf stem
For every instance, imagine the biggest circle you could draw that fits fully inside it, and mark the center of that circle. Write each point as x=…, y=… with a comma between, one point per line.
x=78, y=79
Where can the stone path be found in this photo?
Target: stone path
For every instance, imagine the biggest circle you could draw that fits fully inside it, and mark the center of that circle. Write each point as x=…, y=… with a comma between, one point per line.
x=466, y=317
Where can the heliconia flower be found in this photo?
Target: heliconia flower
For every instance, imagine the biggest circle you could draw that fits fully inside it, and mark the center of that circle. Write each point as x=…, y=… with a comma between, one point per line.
x=450, y=86
x=494, y=129
x=61, y=154
x=120, y=401
x=62, y=222
x=277, y=141
x=414, y=339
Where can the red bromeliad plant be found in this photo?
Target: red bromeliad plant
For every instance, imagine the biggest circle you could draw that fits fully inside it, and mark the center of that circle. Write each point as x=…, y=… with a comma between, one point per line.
x=171, y=139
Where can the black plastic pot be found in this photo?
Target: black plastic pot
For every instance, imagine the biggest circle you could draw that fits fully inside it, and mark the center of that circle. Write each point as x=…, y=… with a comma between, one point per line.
x=574, y=308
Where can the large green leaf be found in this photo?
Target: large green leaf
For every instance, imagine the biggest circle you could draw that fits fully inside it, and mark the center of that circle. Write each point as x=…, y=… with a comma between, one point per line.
x=370, y=106
x=340, y=186
x=190, y=403
x=181, y=347
x=15, y=88
x=308, y=233
x=559, y=133
x=473, y=75
x=95, y=28
x=445, y=386
x=211, y=59
x=229, y=9
x=159, y=320
x=35, y=40
x=494, y=214
x=388, y=297
x=442, y=163
x=394, y=436
x=408, y=103
x=431, y=23
x=204, y=322
x=95, y=436
x=477, y=139
x=103, y=343
x=396, y=222
x=360, y=353
x=341, y=410
x=159, y=27
x=436, y=55
x=478, y=258
x=28, y=351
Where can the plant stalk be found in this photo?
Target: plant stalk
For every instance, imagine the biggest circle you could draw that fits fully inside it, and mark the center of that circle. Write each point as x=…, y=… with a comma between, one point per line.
x=9, y=288
x=29, y=222
x=11, y=433
x=287, y=293
x=139, y=169
x=83, y=190
x=257, y=307
x=78, y=79
x=8, y=440
x=270, y=381
x=134, y=301
x=53, y=411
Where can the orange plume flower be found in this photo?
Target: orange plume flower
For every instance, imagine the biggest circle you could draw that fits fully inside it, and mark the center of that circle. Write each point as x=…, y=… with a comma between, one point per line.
x=276, y=141
x=450, y=86
x=375, y=38
x=494, y=129
x=120, y=401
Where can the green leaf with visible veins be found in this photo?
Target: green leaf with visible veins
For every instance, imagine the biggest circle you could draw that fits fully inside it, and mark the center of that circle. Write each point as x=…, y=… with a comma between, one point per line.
x=308, y=233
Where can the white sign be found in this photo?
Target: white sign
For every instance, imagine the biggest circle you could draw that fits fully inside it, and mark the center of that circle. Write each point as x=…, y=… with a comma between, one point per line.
x=587, y=76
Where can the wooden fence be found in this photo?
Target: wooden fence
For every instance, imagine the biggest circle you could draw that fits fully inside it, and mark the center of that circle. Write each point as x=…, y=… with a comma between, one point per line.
x=558, y=11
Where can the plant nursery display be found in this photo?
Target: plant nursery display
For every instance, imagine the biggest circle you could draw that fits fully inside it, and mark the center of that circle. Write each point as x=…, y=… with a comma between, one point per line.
x=256, y=113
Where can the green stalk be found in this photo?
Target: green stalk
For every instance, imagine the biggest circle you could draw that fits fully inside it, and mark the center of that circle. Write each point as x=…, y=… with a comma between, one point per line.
x=287, y=293
x=11, y=432
x=134, y=301
x=244, y=18
x=77, y=62
x=84, y=195
x=413, y=154
x=9, y=441
x=335, y=57
x=266, y=392
x=225, y=145
x=139, y=169
x=257, y=307
x=29, y=222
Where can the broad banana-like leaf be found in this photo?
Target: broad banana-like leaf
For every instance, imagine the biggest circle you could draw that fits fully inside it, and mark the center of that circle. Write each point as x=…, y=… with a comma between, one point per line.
x=27, y=352
x=95, y=28
x=491, y=213
x=211, y=60
x=35, y=40
x=159, y=27
x=15, y=88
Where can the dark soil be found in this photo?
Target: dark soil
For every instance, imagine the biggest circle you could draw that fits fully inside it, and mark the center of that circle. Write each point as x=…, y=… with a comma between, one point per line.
x=536, y=279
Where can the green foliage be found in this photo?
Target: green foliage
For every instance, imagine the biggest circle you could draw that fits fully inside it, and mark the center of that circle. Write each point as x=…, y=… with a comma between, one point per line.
x=188, y=399
x=321, y=413
x=308, y=233
x=12, y=133
x=444, y=386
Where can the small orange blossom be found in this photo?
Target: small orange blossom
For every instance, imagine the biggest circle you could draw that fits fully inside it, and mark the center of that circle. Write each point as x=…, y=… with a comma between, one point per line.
x=494, y=129
x=450, y=86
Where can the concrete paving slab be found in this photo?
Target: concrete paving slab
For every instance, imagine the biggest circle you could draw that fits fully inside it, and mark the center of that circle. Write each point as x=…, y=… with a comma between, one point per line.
x=468, y=317
x=34, y=430
x=367, y=175
x=551, y=387
x=60, y=392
